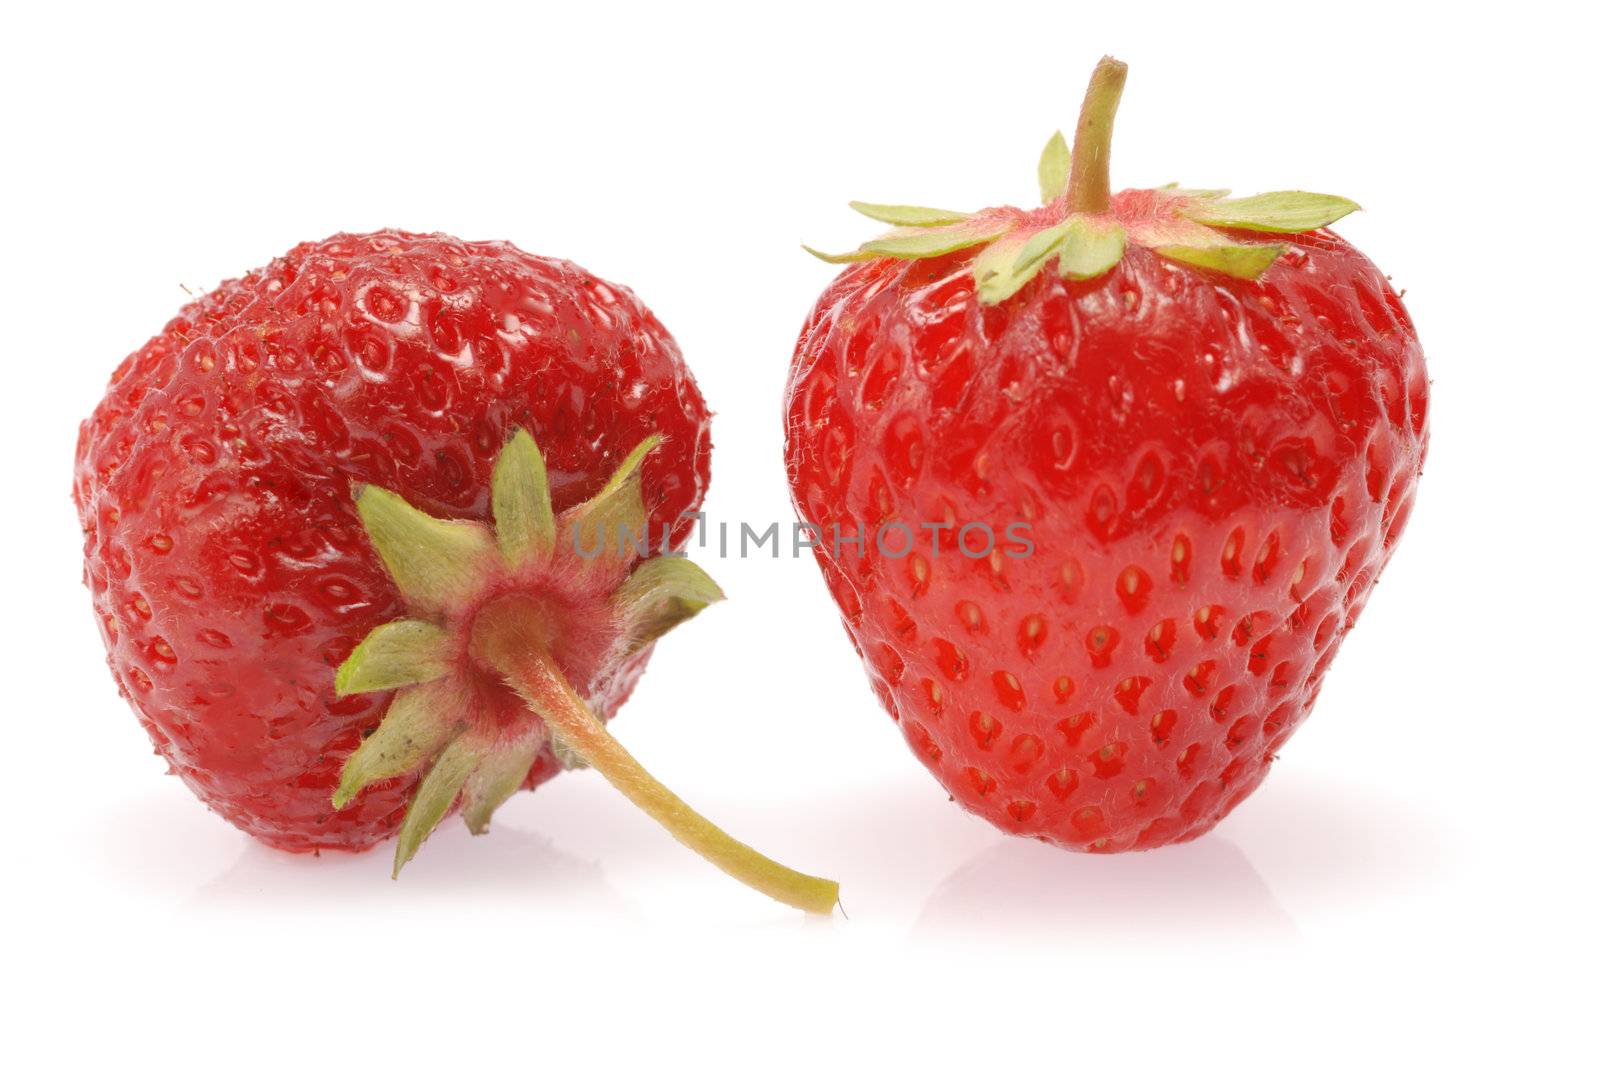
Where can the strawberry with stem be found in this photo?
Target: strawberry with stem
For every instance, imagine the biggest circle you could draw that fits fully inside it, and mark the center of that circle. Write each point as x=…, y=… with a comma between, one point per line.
x=1211, y=413
x=326, y=671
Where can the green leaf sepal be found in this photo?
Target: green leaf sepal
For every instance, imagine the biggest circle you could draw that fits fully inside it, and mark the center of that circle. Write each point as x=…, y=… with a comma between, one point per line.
x=662, y=594
x=1284, y=212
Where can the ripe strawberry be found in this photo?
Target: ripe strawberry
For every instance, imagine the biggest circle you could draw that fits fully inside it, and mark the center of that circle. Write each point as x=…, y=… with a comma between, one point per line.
x=252, y=490
x=1214, y=437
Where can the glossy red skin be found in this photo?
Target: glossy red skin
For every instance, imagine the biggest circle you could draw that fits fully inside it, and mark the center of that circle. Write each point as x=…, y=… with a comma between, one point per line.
x=229, y=571
x=1089, y=694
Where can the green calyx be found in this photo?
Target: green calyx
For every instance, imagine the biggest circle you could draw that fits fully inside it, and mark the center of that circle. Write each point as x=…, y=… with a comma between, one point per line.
x=1083, y=229
x=503, y=601
x=444, y=571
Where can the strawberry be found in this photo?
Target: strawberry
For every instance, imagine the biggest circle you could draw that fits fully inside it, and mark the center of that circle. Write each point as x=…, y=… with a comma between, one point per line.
x=1204, y=416
x=360, y=532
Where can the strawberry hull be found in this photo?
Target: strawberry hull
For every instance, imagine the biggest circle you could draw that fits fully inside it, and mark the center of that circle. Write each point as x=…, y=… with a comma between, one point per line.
x=1214, y=471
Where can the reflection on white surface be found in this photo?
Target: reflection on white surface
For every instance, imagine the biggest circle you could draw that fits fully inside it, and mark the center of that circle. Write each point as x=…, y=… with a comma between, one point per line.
x=1302, y=851
x=1019, y=887
x=1327, y=849
x=509, y=865
x=168, y=843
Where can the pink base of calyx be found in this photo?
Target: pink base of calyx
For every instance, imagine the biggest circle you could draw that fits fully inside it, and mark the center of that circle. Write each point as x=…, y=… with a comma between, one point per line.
x=1083, y=228
x=504, y=619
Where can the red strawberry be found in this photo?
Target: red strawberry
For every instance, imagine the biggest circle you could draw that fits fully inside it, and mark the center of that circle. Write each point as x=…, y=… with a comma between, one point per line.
x=1213, y=437
x=252, y=491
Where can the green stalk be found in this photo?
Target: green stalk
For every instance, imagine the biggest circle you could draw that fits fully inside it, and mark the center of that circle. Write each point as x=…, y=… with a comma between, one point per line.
x=513, y=649
x=1089, y=183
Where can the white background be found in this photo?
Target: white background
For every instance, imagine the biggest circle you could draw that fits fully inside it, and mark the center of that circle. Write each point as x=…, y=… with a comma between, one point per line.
x=1414, y=882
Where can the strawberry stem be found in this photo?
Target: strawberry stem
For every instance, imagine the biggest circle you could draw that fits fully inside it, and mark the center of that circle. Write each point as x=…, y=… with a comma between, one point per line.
x=509, y=642
x=1089, y=183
